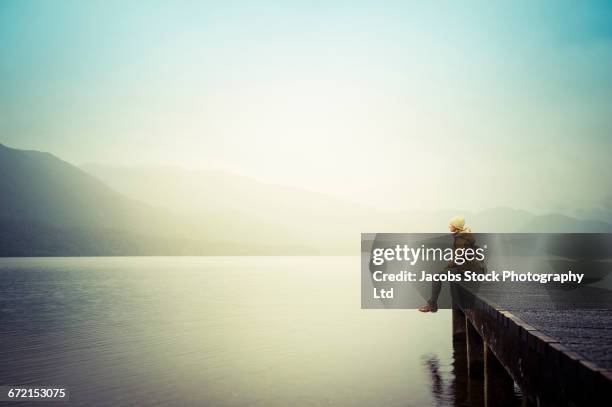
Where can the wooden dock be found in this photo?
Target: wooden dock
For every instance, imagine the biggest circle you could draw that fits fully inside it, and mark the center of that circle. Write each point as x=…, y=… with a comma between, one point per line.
x=558, y=355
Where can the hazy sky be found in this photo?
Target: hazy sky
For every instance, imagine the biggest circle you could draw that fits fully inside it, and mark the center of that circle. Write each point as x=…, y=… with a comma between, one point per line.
x=409, y=104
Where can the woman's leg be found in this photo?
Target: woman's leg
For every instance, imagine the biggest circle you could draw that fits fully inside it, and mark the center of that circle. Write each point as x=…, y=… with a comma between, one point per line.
x=436, y=287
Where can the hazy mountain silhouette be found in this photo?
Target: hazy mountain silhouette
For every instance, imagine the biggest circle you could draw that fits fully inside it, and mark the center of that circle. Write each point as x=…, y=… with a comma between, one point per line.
x=316, y=217
x=50, y=207
x=247, y=206
x=555, y=223
x=39, y=187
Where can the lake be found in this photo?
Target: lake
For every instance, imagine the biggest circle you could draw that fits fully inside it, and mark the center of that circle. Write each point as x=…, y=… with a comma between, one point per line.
x=223, y=331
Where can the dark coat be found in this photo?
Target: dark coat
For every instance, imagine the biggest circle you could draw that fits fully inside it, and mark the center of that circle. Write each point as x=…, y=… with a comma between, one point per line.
x=465, y=240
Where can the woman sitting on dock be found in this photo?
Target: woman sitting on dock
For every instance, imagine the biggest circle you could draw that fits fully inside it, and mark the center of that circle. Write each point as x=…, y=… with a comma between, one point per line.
x=462, y=239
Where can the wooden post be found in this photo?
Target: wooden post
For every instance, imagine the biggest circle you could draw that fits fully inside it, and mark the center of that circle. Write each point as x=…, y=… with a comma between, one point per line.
x=498, y=385
x=458, y=325
x=462, y=387
x=475, y=351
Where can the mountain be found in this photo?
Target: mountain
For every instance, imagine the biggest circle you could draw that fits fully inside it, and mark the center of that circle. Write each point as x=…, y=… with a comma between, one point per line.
x=241, y=205
x=50, y=207
x=555, y=223
x=320, y=219
x=39, y=187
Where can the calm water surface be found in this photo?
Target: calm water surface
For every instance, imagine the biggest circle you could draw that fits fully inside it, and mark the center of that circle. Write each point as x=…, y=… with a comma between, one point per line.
x=226, y=331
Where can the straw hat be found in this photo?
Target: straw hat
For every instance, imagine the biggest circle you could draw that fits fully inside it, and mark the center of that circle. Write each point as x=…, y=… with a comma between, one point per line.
x=458, y=222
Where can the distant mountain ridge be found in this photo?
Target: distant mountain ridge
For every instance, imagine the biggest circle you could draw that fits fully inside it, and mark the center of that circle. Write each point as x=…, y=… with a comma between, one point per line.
x=555, y=223
x=199, y=191
x=49, y=207
x=40, y=187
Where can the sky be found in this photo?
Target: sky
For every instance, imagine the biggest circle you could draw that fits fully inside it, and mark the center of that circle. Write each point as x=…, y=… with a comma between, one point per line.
x=413, y=105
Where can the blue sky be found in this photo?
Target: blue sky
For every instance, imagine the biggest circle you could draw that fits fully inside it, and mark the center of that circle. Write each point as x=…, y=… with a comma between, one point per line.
x=368, y=100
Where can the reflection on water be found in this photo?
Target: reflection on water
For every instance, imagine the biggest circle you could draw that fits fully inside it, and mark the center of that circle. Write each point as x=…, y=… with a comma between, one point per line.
x=221, y=331
x=452, y=386
x=438, y=389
